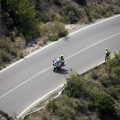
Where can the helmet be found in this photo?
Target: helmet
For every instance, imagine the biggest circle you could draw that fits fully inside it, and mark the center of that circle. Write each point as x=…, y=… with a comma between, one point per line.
x=62, y=57
x=106, y=48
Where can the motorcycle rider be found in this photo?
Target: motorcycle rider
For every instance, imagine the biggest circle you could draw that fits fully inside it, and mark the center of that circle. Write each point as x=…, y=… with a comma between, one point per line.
x=62, y=59
x=59, y=61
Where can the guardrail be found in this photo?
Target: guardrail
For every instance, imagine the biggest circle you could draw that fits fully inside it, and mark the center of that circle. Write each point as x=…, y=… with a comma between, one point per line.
x=58, y=94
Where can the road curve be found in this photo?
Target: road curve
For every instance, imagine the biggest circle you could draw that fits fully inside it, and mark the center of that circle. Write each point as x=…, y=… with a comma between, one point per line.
x=32, y=77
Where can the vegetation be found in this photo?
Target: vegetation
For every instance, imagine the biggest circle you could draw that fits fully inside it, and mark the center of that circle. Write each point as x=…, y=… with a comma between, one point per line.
x=7, y=52
x=81, y=2
x=95, y=95
x=45, y=19
x=10, y=51
x=23, y=14
x=22, y=21
x=53, y=31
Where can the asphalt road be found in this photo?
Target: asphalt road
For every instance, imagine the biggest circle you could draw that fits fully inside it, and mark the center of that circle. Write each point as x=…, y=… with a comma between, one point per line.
x=32, y=77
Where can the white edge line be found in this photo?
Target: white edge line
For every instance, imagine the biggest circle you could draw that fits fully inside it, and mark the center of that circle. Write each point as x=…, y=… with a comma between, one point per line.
x=57, y=41
x=24, y=82
x=33, y=104
x=106, y=19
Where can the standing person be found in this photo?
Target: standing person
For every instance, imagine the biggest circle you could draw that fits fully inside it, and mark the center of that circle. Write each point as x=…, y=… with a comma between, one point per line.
x=107, y=53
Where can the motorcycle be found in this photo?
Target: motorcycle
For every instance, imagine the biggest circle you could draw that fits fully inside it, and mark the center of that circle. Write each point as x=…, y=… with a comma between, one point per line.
x=57, y=65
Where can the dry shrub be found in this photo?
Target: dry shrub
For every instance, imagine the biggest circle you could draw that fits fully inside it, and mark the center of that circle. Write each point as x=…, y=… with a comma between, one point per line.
x=21, y=53
x=43, y=29
x=85, y=20
x=20, y=42
x=43, y=41
x=52, y=31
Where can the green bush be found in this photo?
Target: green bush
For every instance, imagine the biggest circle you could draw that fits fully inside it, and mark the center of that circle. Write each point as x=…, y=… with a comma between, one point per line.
x=75, y=104
x=74, y=86
x=105, y=80
x=91, y=105
x=7, y=46
x=80, y=87
x=114, y=62
x=66, y=113
x=52, y=37
x=94, y=75
x=7, y=52
x=110, y=76
x=104, y=103
x=70, y=13
x=116, y=11
x=89, y=15
x=5, y=57
x=113, y=92
x=102, y=11
x=81, y=2
x=52, y=105
x=57, y=2
x=116, y=70
x=23, y=14
x=71, y=102
x=43, y=16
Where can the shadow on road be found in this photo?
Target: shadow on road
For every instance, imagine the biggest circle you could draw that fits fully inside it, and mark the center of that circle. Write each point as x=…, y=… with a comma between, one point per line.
x=63, y=71
x=66, y=38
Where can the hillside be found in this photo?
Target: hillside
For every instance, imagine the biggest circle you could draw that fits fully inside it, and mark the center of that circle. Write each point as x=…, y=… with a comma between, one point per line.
x=28, y=22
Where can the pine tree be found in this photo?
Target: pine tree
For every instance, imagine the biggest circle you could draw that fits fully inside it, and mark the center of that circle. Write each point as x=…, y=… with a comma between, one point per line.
x=23, y=14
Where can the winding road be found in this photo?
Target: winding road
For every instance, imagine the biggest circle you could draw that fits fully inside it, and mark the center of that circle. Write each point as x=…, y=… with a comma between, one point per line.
x=27, y=81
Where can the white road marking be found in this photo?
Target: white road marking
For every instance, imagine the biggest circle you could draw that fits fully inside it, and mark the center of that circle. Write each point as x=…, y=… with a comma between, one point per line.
x=57, y=41
x=37, y=101
x=94, y=24
x=24, y=82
